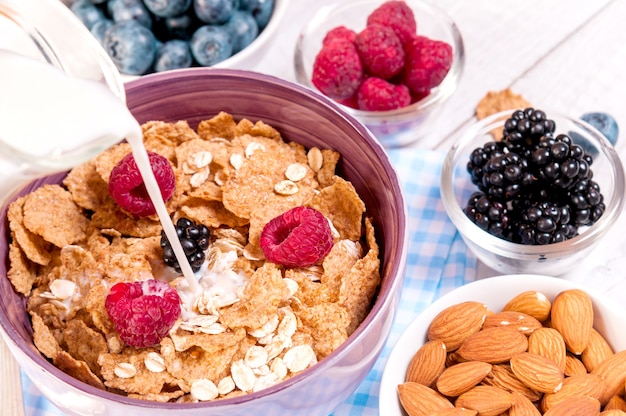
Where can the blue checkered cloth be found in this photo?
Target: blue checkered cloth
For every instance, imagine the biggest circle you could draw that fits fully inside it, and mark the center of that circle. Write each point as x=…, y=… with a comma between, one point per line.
x=437, y=262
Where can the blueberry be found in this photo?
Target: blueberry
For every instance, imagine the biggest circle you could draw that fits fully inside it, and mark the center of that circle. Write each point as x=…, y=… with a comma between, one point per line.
x=211, y=44
x=215, y=12
x=87, y=12
x=605, y=124
x=260, y=9
x=131, y=47
x=173, y=54
x=99, y=29
x=177, y=27
x=121, y=10
x=243, y=29
x=167, y=8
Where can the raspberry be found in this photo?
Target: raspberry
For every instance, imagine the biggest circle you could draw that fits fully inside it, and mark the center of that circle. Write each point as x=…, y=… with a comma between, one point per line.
x=337, y=70
x=427, y=63
x=127, y=188
x=143, y=312
x=397, y=16
x=299, y=237
x=380, y=50
x=340, y=32
x=376, y=94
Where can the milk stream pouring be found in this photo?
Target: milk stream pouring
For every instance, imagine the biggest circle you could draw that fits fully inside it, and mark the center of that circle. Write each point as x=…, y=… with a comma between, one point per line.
x=51, y=122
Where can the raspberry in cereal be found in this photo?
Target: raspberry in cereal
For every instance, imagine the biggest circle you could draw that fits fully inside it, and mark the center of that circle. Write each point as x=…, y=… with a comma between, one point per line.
x=143, y=312
x=380, y=50
x=427, y=63
x=337, y=70
x=376, y=94
x=397, y=15
x=128, y=190
x=299, y=237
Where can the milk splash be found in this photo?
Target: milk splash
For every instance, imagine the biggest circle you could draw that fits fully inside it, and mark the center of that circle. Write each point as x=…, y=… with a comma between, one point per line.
x=50, y=122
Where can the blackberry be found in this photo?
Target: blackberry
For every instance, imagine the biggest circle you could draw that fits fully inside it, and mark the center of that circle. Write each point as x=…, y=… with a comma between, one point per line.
x=193, y=238
x=545, y=222
x=586, y=201
x=479, y=157
x=491, y=216
x=524, y=128
x=505, y=175
x=560, y=162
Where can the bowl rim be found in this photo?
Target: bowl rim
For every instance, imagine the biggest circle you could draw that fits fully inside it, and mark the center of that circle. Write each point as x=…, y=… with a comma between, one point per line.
x=389, y=301
x=506, y=248
x=388, y=399
x=438, y=94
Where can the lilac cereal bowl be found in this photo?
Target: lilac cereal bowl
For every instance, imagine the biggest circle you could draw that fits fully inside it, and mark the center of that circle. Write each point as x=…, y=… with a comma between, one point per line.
x=300, y=115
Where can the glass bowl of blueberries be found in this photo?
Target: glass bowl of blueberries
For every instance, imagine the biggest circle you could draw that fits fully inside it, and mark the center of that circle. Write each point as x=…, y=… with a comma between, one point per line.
x=145, y=36
x=532, y=191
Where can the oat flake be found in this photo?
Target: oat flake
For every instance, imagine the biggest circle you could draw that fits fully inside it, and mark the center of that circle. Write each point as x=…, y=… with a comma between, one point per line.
x=299, y=358
x=315, y=159
x=226, y=385
x=204, y=390
x=154, y=362
x=125, y=370
x=256, y=356
x=236, y=160
x=295, y=172
x=243, y=376
x=253, y=147
x=286, y=187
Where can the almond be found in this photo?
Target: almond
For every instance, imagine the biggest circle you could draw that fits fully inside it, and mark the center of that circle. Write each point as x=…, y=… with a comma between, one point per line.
x=598, y=350
x=537, y=372
x=493, y=345
x=455, y=411
x=456, y=323
x=573, y=365
x=613, y=412
x=532, y=303
x=459, y=378
x=572, y=316
x=576, y=406
x=615, y=402
x=524, y=323
x=502, y=376
x=578, y=385
x=549, y=343
x=420, y=400
x=487, y=400
x=522, y=406
x=427, y=363
x=613, y=373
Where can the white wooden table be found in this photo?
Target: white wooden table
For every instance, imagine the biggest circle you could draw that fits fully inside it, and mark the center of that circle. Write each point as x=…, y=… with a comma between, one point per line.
x=564, y=55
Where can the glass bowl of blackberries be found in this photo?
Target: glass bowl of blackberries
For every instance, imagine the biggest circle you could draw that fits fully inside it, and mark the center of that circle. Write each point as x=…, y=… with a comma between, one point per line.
x=532, y=191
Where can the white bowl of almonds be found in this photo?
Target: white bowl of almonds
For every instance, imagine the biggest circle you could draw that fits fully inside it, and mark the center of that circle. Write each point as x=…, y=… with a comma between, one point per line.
x=513, y=344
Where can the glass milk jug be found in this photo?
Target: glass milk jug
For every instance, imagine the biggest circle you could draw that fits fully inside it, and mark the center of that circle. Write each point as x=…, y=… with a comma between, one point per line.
x=56, y=85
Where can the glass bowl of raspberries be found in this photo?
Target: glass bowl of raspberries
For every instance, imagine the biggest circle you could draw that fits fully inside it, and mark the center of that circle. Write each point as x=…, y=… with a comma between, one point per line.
x=532, y=191
x=391, y=64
